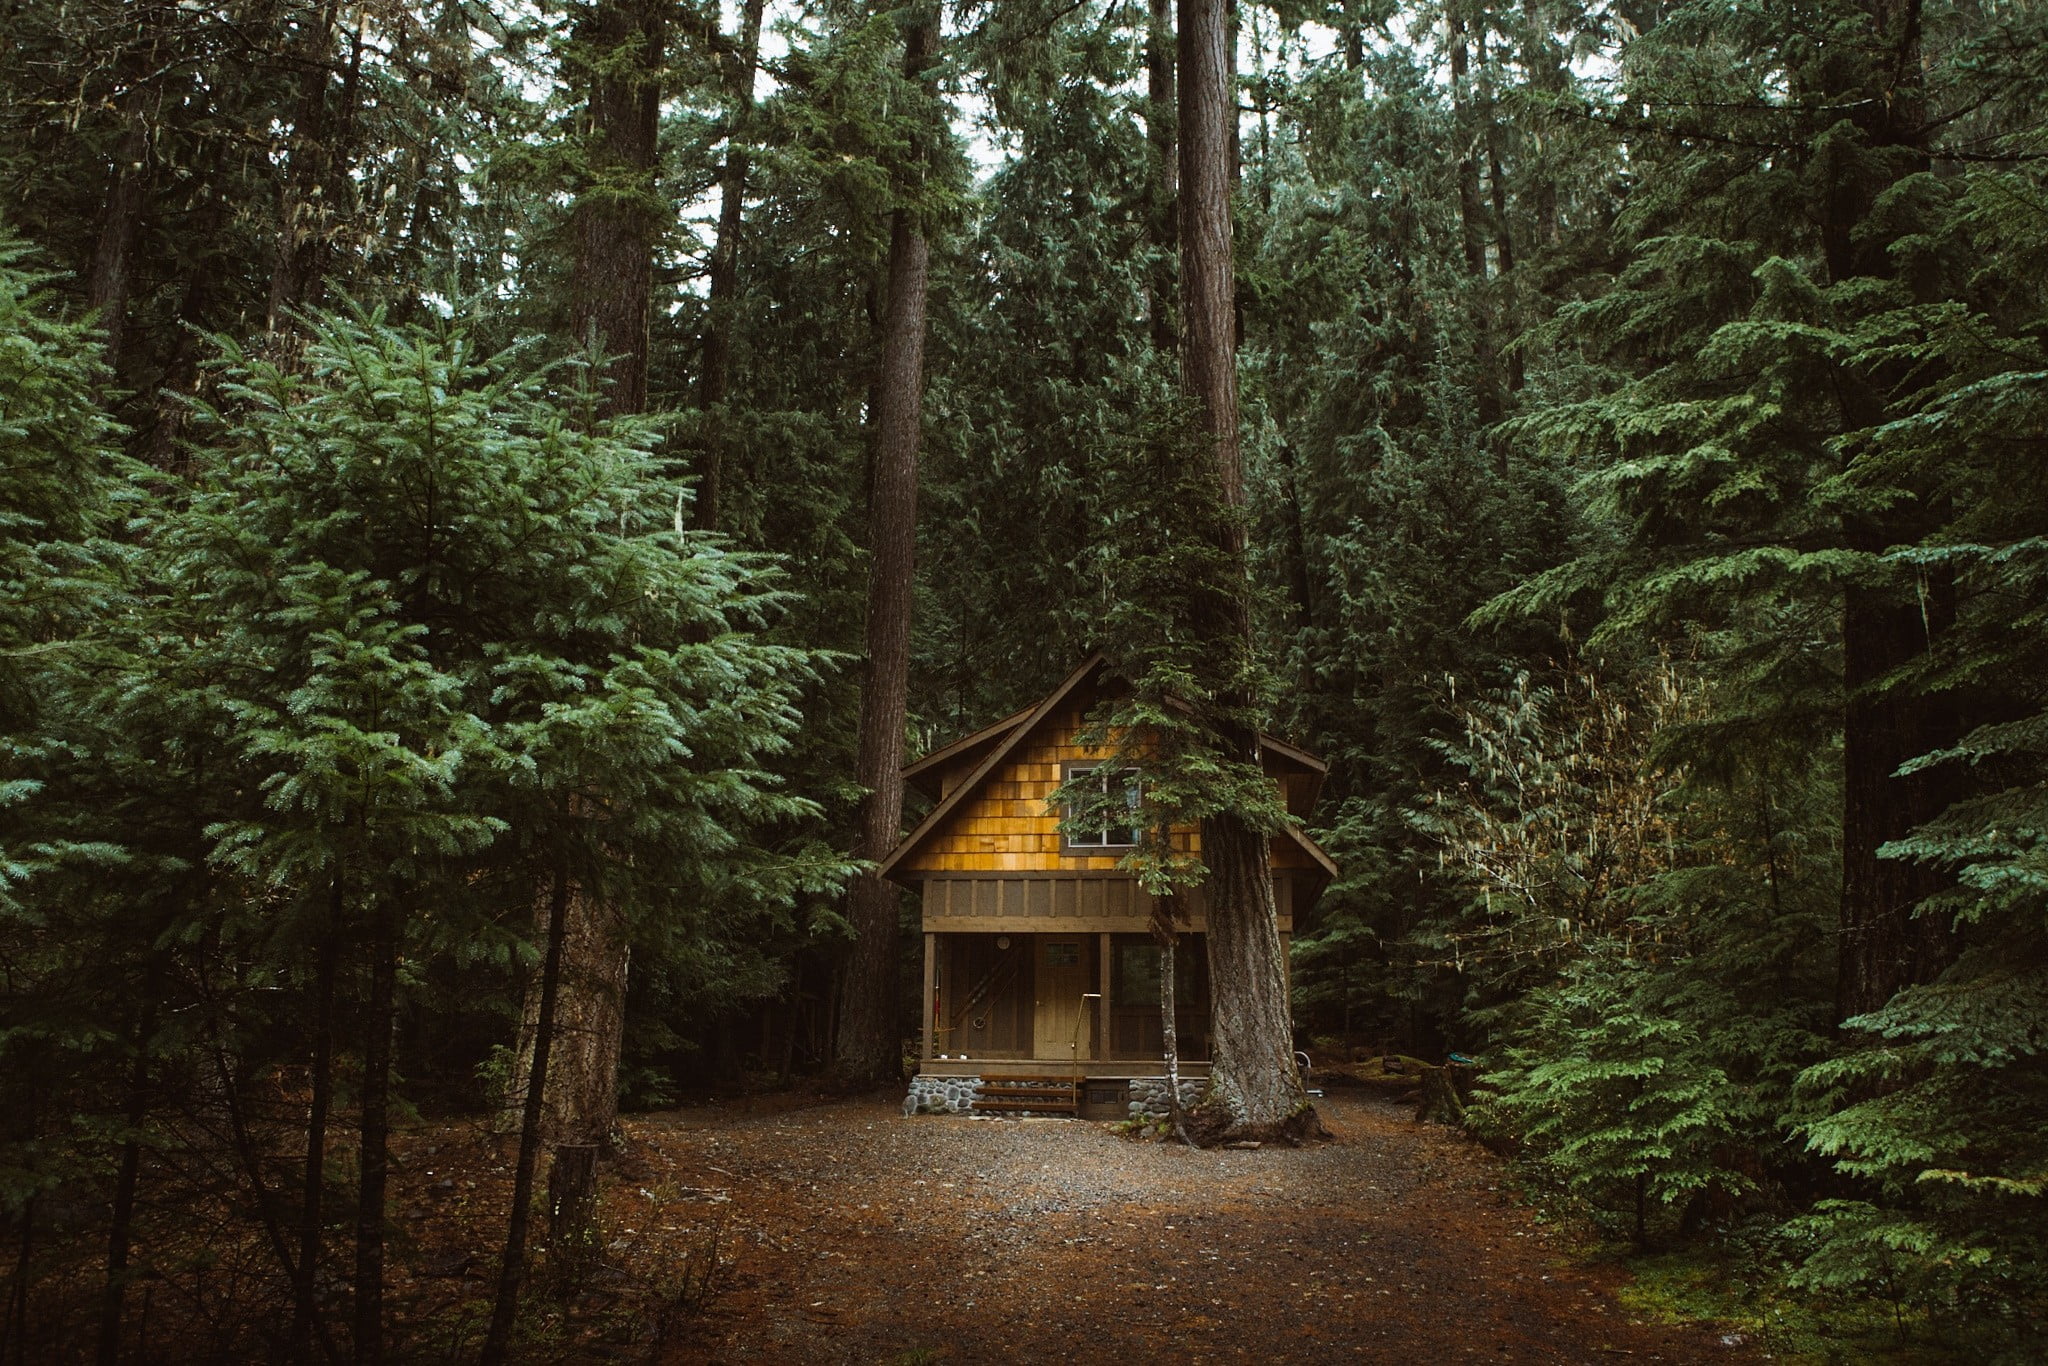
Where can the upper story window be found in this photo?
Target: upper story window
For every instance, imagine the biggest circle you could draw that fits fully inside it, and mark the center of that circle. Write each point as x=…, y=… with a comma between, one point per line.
x=1116, y=811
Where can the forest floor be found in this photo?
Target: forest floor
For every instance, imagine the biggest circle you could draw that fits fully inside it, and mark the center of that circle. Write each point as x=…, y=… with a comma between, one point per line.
x=849, y=1233
x=791, y=1228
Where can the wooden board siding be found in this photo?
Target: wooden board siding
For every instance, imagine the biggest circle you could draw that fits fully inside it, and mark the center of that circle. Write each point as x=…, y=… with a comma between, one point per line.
x=1008, y=827
x=1040, y=903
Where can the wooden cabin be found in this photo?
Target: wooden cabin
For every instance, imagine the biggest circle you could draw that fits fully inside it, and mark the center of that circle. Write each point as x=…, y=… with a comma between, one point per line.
x=1040, y=972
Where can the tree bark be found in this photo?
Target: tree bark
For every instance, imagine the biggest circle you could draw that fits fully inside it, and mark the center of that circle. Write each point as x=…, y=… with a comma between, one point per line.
x=305, y=1306
x=586, y=1027
x=1883, y=944
x=113, y=259
x=1472, y=222
x=619, y=45
x=512, y=1265
x=722, y=305
x=121, y=1225
x=1255, y=1090
x=374, y=1127
x=868, y=1046
x=615, y=219
x=1160, y=118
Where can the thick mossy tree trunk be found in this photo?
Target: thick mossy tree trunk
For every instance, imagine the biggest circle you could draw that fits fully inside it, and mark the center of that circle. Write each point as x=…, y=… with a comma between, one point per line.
x=617, y=55
x=1255, y=1090
x=869, y=1043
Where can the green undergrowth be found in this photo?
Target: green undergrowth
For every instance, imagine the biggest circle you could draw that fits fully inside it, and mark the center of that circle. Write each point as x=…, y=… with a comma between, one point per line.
x=1746, y=1297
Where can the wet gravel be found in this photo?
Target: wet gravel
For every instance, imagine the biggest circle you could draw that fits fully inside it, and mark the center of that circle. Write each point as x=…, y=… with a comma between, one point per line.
x=850, y=1233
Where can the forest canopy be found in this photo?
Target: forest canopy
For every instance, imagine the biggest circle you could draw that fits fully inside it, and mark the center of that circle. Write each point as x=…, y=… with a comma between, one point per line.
x=468, y=473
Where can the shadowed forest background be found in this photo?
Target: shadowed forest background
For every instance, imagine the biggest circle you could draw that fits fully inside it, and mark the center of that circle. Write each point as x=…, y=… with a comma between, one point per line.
x=442, y=452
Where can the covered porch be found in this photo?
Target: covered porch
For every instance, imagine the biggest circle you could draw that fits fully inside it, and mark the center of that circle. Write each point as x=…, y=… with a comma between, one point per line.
x=1073, y=1004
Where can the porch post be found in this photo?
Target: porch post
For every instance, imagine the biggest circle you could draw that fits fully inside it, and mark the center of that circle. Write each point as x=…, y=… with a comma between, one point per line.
x=926, y=1011
x=1102, y=1002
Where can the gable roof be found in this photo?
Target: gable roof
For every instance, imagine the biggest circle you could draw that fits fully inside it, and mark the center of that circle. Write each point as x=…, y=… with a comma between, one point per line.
x=990, y=762
x=1003, y=738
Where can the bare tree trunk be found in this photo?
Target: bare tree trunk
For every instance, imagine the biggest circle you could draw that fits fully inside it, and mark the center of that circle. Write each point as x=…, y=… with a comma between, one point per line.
x=1884, y=945
x=374, y=1127
x=868, y=1046
x=512, y=1265
x=120, y=1231
x=722, y=304
x=1255, y=1089
x=113, y=259
x=305, y=1306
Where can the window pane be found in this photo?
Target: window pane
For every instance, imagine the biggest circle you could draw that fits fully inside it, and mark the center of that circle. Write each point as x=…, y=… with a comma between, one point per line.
x=1137, y=975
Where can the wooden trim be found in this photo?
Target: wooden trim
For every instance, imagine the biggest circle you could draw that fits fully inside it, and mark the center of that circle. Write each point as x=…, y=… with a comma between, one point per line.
x=1298, y=755
x=939, y=814
x=1102, y=1049
x=931, y=956
x=1072, y=924
x=1068, y=849
x=1038, y=924
x=1028, y=874
x=1314, y=850
x=1116, y=1069
x=938, y=757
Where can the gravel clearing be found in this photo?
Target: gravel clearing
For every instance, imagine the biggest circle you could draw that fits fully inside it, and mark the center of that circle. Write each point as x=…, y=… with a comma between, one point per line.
x=854, y=1234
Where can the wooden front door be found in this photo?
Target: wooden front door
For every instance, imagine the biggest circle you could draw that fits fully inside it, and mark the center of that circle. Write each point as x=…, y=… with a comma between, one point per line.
x=1065, y=1029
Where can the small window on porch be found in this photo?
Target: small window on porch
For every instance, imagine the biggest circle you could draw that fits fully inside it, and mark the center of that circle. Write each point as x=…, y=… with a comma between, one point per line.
x=1108, y=821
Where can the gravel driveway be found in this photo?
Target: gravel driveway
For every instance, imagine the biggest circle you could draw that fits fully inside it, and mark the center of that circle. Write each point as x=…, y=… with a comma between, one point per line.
x=853, y=1234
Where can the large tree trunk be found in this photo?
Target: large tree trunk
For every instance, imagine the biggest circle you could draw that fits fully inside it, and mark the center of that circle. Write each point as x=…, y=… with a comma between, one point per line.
x=869, y=1044
x=620, y=44
x=619, y=53
x=1884, y=945
x=722, y=304
x=1256, y=1091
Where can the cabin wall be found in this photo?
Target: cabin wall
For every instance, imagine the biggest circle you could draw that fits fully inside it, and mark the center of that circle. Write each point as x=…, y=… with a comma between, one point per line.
x=1072, y=903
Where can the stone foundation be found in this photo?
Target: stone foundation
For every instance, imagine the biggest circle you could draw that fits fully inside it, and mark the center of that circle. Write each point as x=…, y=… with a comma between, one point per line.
x=931, y=1095
x=1148, y=1095
x=941, y=1095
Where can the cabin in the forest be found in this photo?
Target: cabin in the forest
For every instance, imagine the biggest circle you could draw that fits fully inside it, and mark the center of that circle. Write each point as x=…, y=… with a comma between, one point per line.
x=1041, y=979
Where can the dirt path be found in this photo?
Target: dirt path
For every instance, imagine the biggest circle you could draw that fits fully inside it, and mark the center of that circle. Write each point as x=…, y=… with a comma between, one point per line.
x=856, y=1235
